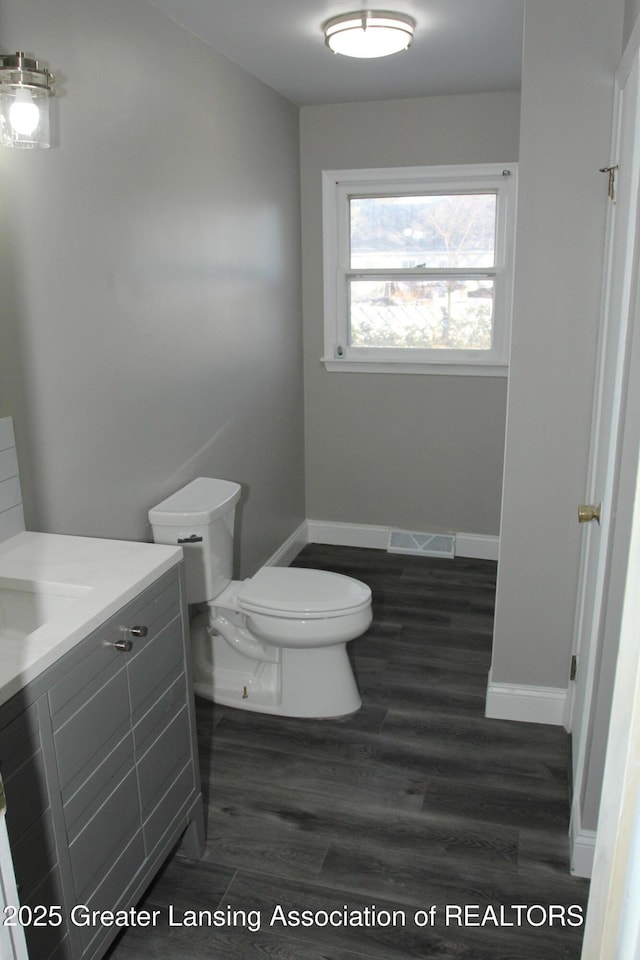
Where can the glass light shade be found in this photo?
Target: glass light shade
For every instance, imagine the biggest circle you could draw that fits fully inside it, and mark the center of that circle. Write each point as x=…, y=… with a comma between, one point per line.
x=24, y=118
x=24, y=103
x=24, y=115
x=369, y=34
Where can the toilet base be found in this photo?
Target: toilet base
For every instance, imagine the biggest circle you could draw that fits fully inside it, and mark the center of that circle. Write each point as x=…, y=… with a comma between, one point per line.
x=315, y=682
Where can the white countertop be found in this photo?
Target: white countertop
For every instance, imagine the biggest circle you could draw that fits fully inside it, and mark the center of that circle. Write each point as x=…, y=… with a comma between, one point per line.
x=106, y=574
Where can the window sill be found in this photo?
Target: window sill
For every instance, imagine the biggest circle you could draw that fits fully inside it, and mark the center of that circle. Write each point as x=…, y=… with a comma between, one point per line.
x=334, y=365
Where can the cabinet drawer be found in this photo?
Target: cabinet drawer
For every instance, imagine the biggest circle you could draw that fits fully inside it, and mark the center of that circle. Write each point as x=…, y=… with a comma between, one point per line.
x=103, y=838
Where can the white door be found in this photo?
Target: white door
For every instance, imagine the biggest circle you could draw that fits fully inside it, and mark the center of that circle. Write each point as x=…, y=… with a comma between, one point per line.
x=610, y=394
x=613, y=919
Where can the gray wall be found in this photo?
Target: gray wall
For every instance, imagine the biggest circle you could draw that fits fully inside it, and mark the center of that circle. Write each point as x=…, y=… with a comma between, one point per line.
x=419, y=452
x=631, y=14
x=567, y=89
x=151, y=279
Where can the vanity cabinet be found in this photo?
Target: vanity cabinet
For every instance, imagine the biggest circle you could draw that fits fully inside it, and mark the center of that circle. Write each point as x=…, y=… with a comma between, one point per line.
x=101, y=775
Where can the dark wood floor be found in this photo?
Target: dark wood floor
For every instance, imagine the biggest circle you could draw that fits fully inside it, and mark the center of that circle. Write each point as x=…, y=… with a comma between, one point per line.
x=415, y=802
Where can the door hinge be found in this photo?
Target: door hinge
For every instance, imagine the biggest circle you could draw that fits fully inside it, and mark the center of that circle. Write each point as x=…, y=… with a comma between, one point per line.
x=574, y=667
x=612, y=181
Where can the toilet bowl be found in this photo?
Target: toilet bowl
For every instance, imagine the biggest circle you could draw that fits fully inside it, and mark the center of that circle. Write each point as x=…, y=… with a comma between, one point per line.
x=274, y=643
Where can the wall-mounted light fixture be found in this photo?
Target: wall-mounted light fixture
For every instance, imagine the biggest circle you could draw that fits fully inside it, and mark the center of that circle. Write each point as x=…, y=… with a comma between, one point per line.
x=25, y=88
x=369, y=33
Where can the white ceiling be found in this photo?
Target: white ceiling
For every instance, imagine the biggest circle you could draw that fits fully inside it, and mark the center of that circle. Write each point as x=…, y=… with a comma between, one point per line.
x=460, y=46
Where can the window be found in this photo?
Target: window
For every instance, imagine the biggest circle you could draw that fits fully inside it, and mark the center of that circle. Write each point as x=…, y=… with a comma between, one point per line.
x=418, y=265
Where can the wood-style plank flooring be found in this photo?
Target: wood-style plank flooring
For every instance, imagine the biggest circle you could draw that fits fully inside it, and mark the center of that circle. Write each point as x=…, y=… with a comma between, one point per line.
x=404, y=813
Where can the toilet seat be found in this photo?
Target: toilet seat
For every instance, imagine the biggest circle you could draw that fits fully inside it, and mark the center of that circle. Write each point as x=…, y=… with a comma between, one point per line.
x=292, y=593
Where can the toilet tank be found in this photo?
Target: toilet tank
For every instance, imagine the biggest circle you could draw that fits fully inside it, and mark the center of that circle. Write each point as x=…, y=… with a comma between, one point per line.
x=200, y=518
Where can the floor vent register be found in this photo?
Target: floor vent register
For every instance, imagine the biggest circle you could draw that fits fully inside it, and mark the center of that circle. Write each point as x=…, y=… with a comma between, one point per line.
x=422, y=544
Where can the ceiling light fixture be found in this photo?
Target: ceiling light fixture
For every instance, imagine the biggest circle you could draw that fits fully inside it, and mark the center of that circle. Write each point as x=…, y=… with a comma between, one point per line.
x=369, y=33
x=25, y=88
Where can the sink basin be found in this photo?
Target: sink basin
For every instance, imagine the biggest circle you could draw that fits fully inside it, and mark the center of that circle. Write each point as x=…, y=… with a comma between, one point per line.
x=26, y=605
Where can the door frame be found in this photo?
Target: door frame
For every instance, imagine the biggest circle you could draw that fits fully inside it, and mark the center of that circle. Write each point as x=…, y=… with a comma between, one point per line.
x=603, y=554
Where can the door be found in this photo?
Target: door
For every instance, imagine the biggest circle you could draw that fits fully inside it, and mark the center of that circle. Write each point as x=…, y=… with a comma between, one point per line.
x=608, y=418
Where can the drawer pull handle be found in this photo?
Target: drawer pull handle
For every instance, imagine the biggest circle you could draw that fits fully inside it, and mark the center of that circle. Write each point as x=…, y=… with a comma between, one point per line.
x=124, y=646
x=138, y=631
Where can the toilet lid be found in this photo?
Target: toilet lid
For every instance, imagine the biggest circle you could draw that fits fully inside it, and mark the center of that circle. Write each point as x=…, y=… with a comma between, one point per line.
x=302, y=594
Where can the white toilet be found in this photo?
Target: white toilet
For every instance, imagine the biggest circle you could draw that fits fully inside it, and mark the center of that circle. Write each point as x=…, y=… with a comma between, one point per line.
x=275, y=643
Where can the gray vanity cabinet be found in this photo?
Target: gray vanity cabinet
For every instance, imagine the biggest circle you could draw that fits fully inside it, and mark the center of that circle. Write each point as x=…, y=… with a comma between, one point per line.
x=114, y=753
x=30, y=823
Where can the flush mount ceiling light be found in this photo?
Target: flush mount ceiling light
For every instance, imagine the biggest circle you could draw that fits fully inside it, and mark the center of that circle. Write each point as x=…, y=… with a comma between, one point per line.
x=369, y=33
x=25, y=88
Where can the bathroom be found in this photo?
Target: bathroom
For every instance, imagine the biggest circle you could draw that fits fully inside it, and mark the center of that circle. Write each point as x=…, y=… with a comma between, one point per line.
x=162, y=307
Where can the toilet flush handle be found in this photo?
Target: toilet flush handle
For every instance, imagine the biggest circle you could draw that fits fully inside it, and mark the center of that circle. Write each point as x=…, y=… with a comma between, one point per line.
x=194, y=538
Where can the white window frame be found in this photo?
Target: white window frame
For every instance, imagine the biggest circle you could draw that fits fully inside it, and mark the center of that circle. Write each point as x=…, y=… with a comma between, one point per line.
x=338, y=186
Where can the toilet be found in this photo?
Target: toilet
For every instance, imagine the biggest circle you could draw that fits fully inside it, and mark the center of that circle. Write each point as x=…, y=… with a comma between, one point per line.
x=275, y=643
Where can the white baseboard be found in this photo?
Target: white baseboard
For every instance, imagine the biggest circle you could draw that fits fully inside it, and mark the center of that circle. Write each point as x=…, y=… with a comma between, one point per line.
x=511, y=701
x=581, y=844
x=477, y=546
x=290, y=548
x=471, y=545
x=347, y=534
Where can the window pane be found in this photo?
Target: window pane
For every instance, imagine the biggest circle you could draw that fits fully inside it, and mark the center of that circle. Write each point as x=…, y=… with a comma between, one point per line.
x=433, y=314
x=429, y=231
